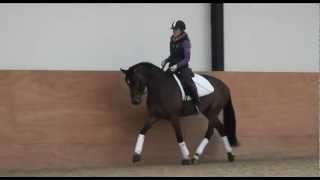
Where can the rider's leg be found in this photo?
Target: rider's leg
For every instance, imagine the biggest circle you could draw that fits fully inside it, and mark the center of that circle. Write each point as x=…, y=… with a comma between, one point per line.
x=187, y=78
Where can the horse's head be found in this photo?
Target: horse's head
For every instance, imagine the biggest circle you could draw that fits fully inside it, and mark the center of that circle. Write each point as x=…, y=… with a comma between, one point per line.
x=137, y=82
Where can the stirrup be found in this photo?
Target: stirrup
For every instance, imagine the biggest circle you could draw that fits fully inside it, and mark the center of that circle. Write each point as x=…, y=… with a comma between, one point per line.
x=197, y=109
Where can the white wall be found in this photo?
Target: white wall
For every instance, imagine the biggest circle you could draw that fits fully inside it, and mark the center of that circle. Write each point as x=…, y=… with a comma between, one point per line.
x=271, y=37
x=97, y=36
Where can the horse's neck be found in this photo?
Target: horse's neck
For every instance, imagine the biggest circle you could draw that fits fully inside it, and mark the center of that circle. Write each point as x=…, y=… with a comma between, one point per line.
x=159, y=82
x=153, y=76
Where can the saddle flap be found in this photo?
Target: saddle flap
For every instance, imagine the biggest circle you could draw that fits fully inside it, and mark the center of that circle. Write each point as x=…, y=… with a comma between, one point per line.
x=204, y=87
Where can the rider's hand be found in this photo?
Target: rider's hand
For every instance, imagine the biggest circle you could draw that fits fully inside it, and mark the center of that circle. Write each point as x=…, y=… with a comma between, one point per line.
x=174, y=68
x=163, y=63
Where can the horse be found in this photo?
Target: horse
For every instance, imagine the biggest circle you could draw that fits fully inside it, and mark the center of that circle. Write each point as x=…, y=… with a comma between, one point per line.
x=164, y=101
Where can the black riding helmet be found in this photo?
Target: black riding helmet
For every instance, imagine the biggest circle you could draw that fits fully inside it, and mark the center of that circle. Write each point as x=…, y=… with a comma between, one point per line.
x=179, y=25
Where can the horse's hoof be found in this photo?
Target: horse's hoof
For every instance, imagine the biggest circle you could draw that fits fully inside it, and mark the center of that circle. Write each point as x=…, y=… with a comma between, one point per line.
x=186, y=162
x=194, y=161
x=230, y=157
x=136, y=157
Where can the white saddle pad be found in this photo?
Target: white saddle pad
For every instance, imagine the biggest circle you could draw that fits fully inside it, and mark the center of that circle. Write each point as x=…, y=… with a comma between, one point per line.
x=203, y=86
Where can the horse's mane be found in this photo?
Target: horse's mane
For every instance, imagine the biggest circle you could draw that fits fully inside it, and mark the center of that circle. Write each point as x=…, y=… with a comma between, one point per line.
x=147, y=65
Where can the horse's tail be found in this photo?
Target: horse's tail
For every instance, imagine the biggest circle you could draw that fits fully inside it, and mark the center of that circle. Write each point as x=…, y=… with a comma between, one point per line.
x=230, y=123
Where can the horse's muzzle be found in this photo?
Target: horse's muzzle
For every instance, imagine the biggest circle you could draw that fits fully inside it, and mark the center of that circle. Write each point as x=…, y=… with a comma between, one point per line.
x=136, y=101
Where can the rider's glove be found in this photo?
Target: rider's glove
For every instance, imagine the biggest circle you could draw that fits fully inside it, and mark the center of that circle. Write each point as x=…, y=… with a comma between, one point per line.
x=163, y=63
x=174, y=68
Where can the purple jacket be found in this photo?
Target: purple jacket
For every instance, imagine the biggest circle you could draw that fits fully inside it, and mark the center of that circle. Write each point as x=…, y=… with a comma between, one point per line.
x=186, y=45
x=180, y=51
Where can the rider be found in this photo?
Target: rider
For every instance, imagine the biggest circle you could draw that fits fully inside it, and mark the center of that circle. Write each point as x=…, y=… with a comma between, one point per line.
x=180, y=49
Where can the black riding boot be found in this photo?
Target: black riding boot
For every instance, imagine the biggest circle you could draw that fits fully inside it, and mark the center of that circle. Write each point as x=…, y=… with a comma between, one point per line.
x=194, y=96
x=186, y=74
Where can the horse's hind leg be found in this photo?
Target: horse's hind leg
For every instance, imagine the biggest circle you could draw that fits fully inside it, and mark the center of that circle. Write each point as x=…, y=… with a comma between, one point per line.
x=219, y=126
x=212, y=117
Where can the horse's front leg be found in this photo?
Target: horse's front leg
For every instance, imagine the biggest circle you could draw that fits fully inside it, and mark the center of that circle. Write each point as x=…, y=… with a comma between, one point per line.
x=182, y=145
x=140, y=140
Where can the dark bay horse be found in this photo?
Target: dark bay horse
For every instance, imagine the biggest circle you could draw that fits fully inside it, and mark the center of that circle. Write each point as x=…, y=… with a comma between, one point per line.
x=164, y=101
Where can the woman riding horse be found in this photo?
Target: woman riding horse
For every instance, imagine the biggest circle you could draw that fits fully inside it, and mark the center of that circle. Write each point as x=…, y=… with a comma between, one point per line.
x=164, y=99
x=180, y=50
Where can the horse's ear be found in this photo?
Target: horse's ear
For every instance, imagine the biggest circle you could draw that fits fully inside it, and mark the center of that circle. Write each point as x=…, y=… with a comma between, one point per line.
x=124, y=71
